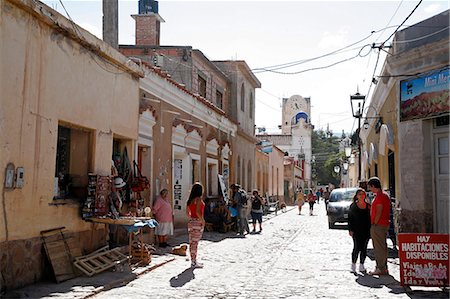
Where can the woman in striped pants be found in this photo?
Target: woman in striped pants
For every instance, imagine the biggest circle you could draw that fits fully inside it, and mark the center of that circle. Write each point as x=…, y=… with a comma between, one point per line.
x=196, y=224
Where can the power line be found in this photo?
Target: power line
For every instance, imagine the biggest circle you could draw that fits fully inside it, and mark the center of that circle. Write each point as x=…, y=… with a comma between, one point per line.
x=320, y=67
x=393, y=33
x=79, y=34
x=390, y=20
x=276, y=109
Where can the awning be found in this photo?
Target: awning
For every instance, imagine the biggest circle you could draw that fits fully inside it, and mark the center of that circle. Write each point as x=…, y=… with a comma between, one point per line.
x=373, y=156
x=386, y=138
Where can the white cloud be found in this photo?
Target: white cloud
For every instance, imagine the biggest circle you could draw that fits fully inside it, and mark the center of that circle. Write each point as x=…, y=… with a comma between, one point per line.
x=92, y=29
x=432, y=8
x=334, y=40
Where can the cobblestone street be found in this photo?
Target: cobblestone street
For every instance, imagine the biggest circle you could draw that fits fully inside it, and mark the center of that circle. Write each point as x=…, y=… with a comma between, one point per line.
x=295, y=256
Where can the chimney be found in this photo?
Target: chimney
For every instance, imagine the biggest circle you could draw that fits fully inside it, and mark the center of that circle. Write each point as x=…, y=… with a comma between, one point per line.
x=110, y=22
x=148, y=23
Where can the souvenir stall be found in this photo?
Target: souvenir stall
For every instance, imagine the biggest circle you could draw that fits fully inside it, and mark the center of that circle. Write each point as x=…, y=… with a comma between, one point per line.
x=115, y=200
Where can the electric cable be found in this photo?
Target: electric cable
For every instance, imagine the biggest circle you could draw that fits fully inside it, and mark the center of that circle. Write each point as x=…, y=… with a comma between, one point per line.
x=393, y=33
x=421, y=37
x=79, y=34
x=390, y=20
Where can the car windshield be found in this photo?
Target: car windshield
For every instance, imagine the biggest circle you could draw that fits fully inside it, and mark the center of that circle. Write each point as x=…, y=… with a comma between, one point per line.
x=346, y=195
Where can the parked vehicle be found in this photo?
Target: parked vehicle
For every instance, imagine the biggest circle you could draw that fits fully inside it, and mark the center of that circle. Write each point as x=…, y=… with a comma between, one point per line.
x=339, y=204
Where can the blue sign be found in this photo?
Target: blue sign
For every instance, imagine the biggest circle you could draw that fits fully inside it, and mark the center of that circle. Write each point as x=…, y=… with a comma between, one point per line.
x=425, y=96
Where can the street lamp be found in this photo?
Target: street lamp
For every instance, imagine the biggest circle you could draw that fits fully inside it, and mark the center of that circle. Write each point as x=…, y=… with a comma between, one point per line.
x=357, y=101
x=345, y=165
x=337, y=169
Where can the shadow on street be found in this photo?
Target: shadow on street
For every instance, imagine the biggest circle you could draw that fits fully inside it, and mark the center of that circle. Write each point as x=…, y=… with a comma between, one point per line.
x=380, y=281
x=182, y=278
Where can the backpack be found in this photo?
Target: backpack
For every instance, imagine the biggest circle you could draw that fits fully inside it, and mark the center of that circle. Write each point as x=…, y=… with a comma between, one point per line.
x=256, y=204
x=242, y=197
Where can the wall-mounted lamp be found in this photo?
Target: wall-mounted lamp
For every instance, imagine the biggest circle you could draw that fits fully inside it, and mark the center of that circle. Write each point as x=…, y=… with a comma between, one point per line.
x=377, y=116
x=337, y=169
x=377, y=125
x=345, y=165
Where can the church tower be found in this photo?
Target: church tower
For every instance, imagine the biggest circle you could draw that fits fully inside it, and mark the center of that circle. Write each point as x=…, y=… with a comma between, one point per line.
x=297, y=123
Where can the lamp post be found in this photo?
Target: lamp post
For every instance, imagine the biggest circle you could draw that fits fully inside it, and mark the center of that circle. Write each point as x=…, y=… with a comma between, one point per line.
x=357, y=101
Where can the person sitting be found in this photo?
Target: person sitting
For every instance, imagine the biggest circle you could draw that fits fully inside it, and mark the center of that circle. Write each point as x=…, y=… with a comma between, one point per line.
x=215, y=219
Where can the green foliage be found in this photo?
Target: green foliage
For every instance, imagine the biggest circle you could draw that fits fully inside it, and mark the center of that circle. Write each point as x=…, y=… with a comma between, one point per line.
x=325, y=149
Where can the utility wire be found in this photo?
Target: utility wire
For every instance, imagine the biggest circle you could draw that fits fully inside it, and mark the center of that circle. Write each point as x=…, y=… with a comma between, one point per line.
x=421, y=37
x=321, y=67
x=400, y=4
x=393, y=33
x=80, y=36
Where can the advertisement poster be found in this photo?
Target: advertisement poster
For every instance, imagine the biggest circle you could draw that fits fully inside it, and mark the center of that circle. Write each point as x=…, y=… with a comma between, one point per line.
x=424, y=259
x=223, y=188
x=424, y=96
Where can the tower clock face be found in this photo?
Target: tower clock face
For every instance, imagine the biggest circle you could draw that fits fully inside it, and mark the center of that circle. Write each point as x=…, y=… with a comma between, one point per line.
x=297, y=104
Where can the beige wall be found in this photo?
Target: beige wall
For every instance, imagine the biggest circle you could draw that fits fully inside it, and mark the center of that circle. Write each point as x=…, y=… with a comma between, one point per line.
x=276, y=161
x=49, y=78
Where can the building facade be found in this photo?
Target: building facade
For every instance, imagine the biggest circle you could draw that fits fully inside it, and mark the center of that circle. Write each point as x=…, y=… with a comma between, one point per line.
x=407, y=141
x=296, y=133
x=66, y=97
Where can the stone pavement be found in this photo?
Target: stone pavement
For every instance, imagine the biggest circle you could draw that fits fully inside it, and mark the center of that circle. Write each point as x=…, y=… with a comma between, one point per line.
x=295, y=256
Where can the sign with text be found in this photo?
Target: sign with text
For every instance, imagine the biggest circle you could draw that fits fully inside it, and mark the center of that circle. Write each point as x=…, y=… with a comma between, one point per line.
x=424, y=259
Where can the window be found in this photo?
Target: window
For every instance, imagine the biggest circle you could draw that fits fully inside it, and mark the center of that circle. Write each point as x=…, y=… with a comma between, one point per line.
x=212, y=183
x=73, y=163
x=195, y=171
x=250, y=110
x=202, y=86
x=219, y=99
x=242, y=97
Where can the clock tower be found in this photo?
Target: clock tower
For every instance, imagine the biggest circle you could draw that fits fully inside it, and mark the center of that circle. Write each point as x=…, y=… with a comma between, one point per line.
x=294, y=108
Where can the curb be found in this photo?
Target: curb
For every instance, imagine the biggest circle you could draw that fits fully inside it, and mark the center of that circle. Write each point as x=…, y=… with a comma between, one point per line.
x=125, y=280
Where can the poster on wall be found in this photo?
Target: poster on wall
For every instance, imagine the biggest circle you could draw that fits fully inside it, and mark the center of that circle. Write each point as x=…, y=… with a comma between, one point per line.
x=424, y=96
x=223, y=187
x=177, y=195
x=424, y=259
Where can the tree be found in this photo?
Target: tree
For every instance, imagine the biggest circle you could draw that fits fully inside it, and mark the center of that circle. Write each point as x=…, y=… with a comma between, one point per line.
x=325, y=150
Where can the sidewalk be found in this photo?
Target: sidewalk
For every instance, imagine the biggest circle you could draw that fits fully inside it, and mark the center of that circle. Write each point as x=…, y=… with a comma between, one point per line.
x=85, y=287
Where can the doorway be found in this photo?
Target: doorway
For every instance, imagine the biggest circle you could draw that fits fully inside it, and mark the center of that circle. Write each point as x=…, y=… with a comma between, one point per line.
x=441, y=174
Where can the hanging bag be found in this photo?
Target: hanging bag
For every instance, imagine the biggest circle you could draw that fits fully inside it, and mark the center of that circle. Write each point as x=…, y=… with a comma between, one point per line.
x=139, y=182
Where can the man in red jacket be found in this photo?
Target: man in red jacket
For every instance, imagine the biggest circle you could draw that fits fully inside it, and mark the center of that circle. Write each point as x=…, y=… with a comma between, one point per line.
x=379, y=214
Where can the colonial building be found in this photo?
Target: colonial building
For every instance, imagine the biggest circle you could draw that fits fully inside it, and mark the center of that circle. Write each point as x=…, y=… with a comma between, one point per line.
x=229, y=86
x=183, y=139
x=407, y=137
x=295, y=137
x=67, y=98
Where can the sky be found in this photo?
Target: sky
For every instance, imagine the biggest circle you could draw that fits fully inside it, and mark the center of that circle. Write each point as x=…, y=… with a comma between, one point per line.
x=271, y=33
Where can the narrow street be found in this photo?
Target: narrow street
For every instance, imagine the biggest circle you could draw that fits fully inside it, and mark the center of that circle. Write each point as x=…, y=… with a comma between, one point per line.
x=295, y=256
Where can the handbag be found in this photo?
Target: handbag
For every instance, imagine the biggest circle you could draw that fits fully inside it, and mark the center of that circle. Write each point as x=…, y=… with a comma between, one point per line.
x=139, y=182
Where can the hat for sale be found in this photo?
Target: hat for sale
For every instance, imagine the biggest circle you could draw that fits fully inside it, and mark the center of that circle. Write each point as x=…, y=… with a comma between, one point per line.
x=118, y=182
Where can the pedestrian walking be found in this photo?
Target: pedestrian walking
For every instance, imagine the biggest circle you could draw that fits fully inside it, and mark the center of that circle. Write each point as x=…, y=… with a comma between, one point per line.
x=300, y=200
x=162, y=210
x=311, y=201
x=239, y=197
x=196, y=223
x=257, y=210
x=326, y=197
x=359, y=228
x=318, y=194
x=380, y=220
